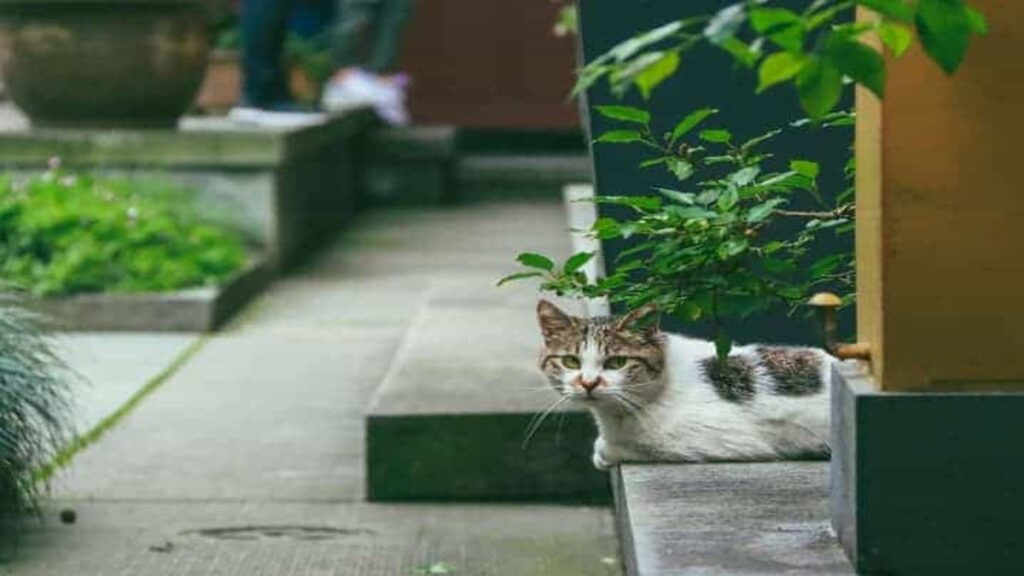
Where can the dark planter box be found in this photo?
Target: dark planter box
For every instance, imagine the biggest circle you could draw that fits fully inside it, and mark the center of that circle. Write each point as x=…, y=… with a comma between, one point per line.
x=926, y=483
x=707, y=77
x=192, y=310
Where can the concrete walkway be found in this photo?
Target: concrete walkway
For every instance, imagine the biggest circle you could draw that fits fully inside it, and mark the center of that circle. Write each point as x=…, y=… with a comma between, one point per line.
x=249, y=459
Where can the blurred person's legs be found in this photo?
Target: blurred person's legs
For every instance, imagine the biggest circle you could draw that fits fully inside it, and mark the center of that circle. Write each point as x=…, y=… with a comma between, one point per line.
x=266, y=100
x=370, y=27
x=367, y=36
x=264, y=26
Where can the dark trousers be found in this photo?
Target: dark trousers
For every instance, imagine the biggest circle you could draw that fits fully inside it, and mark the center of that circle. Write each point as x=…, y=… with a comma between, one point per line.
x=264, y=28
x=372, y=24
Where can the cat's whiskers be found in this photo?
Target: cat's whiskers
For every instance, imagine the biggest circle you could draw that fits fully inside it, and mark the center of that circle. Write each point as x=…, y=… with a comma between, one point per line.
x=537, y=420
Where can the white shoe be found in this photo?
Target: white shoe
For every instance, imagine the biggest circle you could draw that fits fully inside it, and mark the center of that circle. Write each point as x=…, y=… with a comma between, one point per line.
x=260, y=118
x=360, y=89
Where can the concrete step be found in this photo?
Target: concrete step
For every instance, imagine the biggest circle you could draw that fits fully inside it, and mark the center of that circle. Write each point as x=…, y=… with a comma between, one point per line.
x=453, y=417
x=726, y=519
x=456, y=416
x=521, y=175
x=423, y=165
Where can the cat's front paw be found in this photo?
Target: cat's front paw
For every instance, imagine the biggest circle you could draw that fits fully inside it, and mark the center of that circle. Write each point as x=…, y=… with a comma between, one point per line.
x=600, y=463
x=601, y=459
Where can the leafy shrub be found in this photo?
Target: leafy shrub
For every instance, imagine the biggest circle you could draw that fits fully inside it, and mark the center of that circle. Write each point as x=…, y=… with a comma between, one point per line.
x=725, y=246
x=35, y=415
x=62, y=234
x=814, y=51
x=715, y=249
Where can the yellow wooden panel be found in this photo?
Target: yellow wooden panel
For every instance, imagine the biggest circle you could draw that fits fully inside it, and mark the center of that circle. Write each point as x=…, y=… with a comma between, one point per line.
x=951, y=226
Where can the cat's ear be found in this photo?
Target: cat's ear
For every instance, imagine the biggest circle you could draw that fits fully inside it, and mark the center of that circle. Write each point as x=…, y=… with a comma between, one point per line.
x=644, y=319
x=553, y=322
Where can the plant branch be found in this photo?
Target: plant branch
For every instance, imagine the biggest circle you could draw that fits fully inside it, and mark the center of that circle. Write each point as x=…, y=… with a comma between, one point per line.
x=840, y=212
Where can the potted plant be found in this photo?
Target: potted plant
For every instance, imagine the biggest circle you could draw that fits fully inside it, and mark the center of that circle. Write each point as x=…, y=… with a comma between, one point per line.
x=104, y=63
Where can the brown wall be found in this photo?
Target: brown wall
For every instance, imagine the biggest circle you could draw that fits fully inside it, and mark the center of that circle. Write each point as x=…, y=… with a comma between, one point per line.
x=489, y=63
x=941, y=217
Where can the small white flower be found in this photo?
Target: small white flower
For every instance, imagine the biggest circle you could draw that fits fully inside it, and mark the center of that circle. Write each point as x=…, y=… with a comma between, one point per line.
x=68, y=181
x=53, y=163
x=132, y=212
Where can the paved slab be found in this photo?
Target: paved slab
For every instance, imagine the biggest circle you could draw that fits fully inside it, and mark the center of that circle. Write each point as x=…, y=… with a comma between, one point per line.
x=116, y=366
x=259, y=539
x=727, y=519
x=266, y=416
x=237, y=463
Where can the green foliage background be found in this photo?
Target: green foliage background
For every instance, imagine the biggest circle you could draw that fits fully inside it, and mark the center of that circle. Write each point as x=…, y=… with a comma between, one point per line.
x=62, y=233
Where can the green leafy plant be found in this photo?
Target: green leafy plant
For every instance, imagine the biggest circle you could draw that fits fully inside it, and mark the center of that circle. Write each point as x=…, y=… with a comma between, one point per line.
x=814, y=50
x=62, y=233
x=722, y=246
x=35, y=409
x=718, y=248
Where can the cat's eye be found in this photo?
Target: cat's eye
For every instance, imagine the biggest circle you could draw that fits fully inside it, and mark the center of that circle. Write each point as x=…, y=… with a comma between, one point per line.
x=615, y=362
x=571, y=362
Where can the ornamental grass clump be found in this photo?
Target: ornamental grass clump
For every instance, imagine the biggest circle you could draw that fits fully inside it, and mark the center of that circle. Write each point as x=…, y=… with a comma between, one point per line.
x=35, y=410
x=64, y=233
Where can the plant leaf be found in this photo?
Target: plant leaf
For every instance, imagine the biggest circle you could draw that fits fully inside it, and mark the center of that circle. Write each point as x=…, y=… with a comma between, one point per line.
x=896, y=37
x=653, y=75
x=518, y=276
x=716, y=136
x=576, y=261
x=620, y=137
x=532, y=260
x=625, y=113
x=819, y=87
x=778, y=68
x=977, y=22
x=858, y=61
x=806, y=168
x=725, y=23
x=681, y=197
x=781, y=26
x=692, y=120
x=945, y=31
x=680, y=168
x=893, y=9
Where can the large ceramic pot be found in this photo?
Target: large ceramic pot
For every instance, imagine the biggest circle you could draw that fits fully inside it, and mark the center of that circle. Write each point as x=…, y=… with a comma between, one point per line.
x=104, y=63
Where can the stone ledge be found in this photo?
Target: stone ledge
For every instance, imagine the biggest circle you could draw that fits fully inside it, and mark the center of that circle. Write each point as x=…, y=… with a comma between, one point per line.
x=726, y=519
x=412, y=165
x=193, y=310
x=200, y=142
x=416, y=142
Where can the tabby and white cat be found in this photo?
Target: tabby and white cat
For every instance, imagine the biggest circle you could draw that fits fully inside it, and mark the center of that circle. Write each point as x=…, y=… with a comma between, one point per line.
x=664, y=397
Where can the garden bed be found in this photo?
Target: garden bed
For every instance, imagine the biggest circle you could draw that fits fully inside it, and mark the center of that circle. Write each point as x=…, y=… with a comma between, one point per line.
x=202, y=309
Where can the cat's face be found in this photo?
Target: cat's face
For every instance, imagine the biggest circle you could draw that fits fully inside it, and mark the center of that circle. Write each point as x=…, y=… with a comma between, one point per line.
x=604, y=362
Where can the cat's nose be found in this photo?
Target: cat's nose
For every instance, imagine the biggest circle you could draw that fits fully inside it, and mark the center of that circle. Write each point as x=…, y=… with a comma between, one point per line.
x=589, y=385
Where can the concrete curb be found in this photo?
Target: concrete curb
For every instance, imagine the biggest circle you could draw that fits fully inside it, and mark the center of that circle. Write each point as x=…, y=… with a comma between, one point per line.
x=192, y=310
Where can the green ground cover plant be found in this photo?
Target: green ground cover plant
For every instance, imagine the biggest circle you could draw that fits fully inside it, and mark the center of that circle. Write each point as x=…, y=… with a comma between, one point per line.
x=65, y=233
x=35, y=410
x=716, y=246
